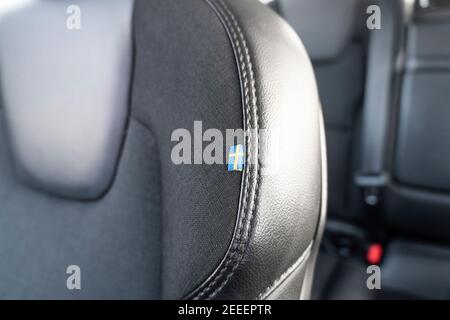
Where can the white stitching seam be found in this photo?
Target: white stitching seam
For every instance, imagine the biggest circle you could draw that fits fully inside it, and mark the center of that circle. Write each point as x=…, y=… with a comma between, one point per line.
x=239, y=243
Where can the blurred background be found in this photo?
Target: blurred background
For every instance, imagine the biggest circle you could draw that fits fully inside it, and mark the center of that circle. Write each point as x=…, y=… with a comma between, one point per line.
x=383, y=71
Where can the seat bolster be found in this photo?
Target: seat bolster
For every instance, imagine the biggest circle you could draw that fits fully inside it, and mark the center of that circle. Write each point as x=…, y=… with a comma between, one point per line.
x=281, y=196
x=66, y=104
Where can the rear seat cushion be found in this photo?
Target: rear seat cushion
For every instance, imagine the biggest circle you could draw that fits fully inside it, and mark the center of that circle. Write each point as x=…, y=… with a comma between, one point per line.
x=416, y=270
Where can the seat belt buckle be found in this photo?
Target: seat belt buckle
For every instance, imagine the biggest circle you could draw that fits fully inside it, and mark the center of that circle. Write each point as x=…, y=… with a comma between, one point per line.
x=371, y=185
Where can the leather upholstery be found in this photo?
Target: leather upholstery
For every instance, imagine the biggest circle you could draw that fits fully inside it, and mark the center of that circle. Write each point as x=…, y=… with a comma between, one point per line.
x=205, y=233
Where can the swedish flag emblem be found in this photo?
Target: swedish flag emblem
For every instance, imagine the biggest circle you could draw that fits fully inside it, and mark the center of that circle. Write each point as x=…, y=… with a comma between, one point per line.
x=236, y=158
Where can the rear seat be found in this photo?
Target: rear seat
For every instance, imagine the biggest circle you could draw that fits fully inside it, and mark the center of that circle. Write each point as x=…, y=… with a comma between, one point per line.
x=416, y=203
x=412, y=219
x=420, y=188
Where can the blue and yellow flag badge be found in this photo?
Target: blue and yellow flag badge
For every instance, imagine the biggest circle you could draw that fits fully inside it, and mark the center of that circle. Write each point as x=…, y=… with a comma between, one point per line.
x=236, y=158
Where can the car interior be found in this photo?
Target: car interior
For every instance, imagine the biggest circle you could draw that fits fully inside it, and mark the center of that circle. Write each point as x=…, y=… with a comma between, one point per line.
x=351, y=96
x=385, y=97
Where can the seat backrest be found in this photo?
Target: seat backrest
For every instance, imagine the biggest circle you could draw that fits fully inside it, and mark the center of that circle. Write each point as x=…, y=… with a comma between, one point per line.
x=111, y=111
x=418, y=198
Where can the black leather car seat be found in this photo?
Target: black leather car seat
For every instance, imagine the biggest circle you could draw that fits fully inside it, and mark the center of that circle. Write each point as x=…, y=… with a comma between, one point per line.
x=86, y=176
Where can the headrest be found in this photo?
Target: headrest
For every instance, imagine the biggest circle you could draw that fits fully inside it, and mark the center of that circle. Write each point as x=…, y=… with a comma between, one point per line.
x=325, y=26
x=65, y=79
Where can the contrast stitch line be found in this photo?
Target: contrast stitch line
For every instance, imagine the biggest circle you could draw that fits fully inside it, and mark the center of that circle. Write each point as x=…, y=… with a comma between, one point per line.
x=233, y=250
x=239, y=242
x=254, y=103
x=236, y=244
